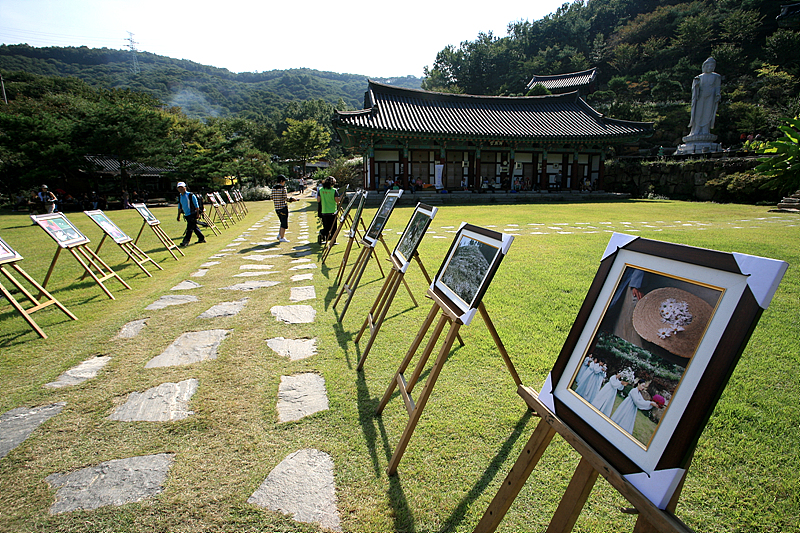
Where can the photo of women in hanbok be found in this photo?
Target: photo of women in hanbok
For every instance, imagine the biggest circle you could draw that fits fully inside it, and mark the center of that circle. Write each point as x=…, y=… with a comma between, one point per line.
x=604, y=400
x=590, y=384
x=625, y=414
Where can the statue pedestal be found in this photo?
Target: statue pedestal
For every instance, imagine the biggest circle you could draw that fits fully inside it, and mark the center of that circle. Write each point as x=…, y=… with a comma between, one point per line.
x=699, y=143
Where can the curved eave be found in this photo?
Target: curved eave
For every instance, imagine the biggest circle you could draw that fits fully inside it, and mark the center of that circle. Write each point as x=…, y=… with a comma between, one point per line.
x=356, y=132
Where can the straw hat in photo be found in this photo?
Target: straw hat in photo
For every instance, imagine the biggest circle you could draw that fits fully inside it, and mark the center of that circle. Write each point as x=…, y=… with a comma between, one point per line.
x=678, y=306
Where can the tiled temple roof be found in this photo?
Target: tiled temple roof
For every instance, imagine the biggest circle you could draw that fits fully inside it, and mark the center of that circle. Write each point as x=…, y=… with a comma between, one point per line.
x=399, y=112
x=565, y=82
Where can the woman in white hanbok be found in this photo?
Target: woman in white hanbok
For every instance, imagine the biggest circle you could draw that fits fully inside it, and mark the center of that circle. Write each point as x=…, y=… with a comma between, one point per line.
x=591, y=383
x=625, y=415
x=583, y=372
x=604, y=400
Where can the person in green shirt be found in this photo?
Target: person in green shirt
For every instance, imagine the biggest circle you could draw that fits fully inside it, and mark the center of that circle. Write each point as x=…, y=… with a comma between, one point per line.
x=328, y=198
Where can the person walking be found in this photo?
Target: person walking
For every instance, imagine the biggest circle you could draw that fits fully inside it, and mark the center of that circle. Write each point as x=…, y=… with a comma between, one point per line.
x=188, y=206
x=328, y=198
x=281, y=203
x=48, y=199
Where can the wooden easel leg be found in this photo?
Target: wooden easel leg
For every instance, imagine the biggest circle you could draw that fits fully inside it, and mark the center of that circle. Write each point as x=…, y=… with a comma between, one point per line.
x=375, y=325
x=107, y=268
x=345, y=257
x=409, y=355
x=136, y=240
x=168, y=243
x=42, y=290
x=50, y=270
x=352, y=289
x=22, y=311
x=97, y=251
x=574, y=498
x=516, y=478
x=378, y=304
x=499, y=343
x=92, y=274
x=416, y=414
x=358, y=266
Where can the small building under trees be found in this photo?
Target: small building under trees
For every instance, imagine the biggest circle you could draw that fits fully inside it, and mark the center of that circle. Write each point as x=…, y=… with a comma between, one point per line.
x=583, y=82
x=540, y=142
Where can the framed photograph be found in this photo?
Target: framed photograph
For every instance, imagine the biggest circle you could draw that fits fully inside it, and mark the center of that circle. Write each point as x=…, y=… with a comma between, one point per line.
x=219, y=198
x=228, y=195
x=60, y=229
x=148, y=217
x=656, y=339
x=468, y=268
x=412, y=235
x=357, y=216
x=348, y=206
x=212, y=199
x=7, y=253
x=381, y=217
x=110, y=229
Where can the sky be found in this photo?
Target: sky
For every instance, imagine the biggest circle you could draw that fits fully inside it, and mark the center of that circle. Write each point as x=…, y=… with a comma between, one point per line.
x=376, y=39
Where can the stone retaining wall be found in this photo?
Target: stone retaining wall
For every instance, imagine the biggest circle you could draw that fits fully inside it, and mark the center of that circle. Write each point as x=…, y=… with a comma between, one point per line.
x=678, y=180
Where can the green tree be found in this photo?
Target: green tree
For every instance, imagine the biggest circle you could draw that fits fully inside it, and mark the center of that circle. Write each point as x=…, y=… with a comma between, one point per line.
x=783, y=165
x=305, y=140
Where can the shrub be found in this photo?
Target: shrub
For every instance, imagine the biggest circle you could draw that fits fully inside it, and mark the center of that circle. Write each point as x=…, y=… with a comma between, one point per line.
x=257, y=194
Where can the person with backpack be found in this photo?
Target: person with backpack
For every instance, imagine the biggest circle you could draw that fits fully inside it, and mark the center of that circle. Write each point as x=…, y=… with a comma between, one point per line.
x=328, y=199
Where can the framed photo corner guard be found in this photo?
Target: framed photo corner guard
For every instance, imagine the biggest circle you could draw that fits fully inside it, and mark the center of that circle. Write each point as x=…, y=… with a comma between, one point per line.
x=654, y=343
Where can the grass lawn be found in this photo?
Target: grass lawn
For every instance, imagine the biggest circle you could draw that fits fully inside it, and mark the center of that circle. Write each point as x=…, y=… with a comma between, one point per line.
x=744, y=474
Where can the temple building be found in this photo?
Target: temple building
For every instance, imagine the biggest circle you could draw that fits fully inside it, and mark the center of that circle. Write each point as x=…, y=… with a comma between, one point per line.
x=455, y=141
x=583, y=82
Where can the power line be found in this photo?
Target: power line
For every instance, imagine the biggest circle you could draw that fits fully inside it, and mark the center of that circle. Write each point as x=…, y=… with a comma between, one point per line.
x=8, y=34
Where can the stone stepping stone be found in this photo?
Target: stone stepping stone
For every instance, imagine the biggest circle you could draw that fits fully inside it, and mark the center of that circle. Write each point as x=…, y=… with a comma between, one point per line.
x=165, y=403
x=250, y=285
x=260, y=257
x=191, y=347
x=17, y=424
x=305, y=266
x=225, y=309
x=253, y=274
x=237, y=240
x=256, y=267
x=131, y=329
x=300, y=396
x=302, y=254
x=217, y=256
x=299, y=261
x=200, y=273
x=298, y=294
x=294, y=349
x=114, y=482
x=294, y=314
x=78, y=374
x=302, y=277
x=171, y=299
x=302, y=485
x=209, y=264
x=186, y=285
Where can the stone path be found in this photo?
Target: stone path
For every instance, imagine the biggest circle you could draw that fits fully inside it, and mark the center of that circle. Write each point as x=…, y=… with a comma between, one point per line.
x=17, y=424
x=302, y=484
x=114, y=482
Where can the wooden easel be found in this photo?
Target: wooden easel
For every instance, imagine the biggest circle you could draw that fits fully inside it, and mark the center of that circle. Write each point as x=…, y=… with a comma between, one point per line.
x=415, y=409
x=351, y=238
x=37, y=305
x=239, y=198
x=651, y=518
x=339, y=227
x=209, y=223
x=377, y=314
x=168, y=243
x=133, y=252
x=359, y=267
x=225, y=209
x=217, y=210
x=88, y=260
x=234, y=206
